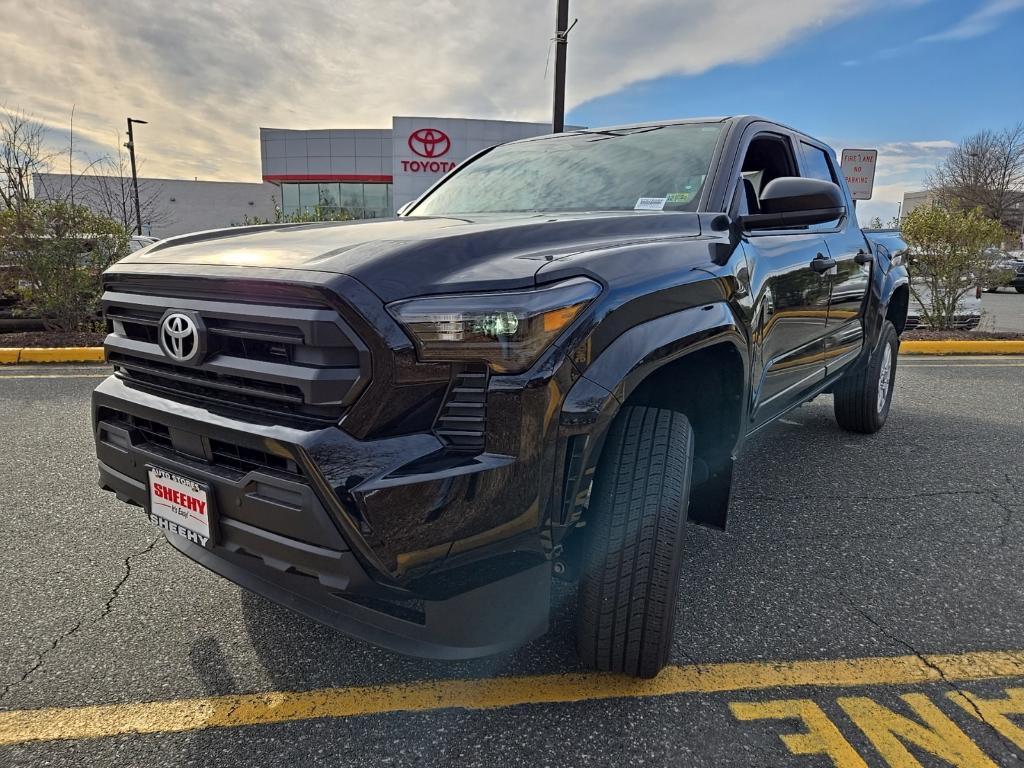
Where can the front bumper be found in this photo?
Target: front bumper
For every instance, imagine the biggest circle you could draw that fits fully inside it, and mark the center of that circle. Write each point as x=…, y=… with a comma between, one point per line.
x=291, y=529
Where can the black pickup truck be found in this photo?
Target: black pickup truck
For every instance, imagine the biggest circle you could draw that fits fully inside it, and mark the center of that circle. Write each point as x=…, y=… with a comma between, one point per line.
x=545, y=366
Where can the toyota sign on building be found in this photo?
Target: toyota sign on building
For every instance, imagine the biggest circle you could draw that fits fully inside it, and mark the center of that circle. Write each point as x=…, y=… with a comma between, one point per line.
x=371, y=173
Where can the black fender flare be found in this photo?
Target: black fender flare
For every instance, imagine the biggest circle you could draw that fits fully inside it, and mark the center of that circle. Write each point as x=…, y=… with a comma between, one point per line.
x=597, y=395
x=895, y=278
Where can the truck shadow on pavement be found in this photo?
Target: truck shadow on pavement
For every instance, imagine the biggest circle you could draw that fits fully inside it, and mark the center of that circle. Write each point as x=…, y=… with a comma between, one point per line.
x=803, y=563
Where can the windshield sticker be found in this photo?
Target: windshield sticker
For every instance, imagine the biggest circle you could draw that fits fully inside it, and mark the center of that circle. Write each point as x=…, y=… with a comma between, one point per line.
x=650, y=204
x=679, y=197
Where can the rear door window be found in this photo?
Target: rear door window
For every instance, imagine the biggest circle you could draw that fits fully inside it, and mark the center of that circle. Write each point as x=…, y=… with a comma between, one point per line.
x=817, y=164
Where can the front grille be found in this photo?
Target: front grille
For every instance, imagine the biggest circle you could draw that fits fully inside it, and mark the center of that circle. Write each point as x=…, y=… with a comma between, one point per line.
x=232, y=459
x=462, y=421
x=244, y=459
x=296, y=358
x=149, y=432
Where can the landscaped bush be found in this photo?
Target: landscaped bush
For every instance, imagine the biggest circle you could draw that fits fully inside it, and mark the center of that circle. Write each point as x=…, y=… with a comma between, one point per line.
x=948, y=257
x=58, y=251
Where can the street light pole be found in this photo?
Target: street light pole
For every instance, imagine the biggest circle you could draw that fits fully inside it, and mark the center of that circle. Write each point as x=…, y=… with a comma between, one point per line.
x=561, y=42
x=135, y=176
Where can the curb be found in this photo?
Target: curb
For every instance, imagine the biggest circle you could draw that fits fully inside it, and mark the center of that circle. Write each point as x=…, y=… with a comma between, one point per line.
x=979, y=347
x=15, y=355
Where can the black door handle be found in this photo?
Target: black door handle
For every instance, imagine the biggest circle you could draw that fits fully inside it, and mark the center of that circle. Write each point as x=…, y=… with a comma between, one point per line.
x=821, y=265
x=863, y=257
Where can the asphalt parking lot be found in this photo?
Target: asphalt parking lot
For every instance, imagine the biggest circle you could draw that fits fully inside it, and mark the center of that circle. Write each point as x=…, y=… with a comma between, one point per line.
x=1002, y=311
x=865, y=607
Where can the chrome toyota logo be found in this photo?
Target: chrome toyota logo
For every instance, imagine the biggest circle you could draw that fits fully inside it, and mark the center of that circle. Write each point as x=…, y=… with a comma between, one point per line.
x=429, y=142
x=181, y=338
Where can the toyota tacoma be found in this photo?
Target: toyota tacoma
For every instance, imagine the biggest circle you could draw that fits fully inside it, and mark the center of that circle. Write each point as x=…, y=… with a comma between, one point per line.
x=544, y=367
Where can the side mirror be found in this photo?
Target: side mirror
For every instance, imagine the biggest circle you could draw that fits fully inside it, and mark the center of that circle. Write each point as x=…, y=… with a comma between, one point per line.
x=792, y=201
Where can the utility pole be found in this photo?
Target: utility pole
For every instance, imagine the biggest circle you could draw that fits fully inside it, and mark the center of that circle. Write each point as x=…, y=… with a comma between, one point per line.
x=135, y=176
x=561, y=42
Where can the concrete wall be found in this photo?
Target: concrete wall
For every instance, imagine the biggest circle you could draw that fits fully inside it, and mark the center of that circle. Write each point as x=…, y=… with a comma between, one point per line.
x=177, y=205
x=912, y=200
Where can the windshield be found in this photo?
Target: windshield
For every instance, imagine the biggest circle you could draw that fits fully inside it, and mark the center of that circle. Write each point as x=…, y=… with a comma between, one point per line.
x=650, y=168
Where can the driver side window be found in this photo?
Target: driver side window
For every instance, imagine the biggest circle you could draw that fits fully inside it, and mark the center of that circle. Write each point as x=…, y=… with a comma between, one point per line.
x=769, y=156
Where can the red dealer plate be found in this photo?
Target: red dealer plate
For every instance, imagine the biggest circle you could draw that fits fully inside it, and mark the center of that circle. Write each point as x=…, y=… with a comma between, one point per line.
x=180, y=506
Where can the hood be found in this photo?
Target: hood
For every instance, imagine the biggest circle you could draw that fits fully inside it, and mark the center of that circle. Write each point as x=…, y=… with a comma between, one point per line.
x=399, y=258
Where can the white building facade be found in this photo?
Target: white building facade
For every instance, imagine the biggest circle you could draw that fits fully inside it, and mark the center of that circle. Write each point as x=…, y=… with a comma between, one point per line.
x=169, y=206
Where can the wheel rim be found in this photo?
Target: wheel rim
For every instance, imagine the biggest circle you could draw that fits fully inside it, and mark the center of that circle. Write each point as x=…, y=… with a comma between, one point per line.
x=884, y=378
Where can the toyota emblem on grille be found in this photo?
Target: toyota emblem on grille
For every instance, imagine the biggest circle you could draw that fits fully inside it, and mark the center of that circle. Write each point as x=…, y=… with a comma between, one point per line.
x=181, y=337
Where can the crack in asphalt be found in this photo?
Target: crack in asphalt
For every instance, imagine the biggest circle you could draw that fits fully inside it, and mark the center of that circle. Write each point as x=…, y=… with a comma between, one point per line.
x=108, y=606
x=40, y=657
x=1010, y=747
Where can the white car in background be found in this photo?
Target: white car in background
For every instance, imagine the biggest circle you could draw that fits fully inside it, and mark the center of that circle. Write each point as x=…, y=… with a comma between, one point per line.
x=966, y=317
x=138, y=242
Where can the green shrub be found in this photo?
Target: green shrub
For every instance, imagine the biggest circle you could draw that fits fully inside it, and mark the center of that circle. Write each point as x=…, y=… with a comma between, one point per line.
x=948, y=256
x=59, y=251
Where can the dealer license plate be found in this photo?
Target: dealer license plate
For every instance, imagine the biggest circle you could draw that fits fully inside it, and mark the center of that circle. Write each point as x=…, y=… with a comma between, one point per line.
x=180, y=506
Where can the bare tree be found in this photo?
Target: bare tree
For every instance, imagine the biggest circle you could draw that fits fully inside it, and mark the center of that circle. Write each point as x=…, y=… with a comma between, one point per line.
x=23, y=153
x=108, y=191
x=985, y=171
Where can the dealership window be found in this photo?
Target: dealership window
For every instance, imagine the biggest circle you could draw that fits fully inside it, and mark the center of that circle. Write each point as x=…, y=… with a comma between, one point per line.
x=360, y=201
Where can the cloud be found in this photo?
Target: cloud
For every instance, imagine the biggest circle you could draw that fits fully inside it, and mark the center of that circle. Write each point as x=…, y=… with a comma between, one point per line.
x=981, y=22
x=207, y=75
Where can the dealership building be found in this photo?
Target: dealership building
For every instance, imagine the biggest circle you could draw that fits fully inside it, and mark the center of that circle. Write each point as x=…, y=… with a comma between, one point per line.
x=372, y=173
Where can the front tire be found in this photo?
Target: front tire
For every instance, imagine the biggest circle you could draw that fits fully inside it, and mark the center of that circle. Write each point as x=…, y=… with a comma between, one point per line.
x=863, y=396
x=633, y=543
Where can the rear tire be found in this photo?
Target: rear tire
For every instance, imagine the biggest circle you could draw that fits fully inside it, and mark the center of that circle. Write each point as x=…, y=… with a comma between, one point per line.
x=863, y=396
x=633, y=543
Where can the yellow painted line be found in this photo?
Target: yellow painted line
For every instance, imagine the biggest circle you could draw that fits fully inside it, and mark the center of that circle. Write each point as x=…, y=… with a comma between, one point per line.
x=11, y=355
x=179, y=715
x=979, y=347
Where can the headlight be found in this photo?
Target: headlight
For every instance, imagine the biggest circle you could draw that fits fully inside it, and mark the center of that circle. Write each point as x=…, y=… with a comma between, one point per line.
x=507, y=330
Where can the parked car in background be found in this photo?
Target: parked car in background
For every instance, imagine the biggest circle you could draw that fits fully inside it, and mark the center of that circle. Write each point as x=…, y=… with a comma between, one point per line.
x=138, y=242
x=1016, y=262
x=968, y=309
x=1007, y=269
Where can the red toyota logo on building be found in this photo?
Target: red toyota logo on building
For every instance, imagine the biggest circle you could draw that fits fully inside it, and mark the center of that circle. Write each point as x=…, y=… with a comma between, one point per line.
x=429, y=142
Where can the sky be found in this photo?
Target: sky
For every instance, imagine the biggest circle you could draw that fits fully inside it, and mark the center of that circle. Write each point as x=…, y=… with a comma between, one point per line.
x=910, y=77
